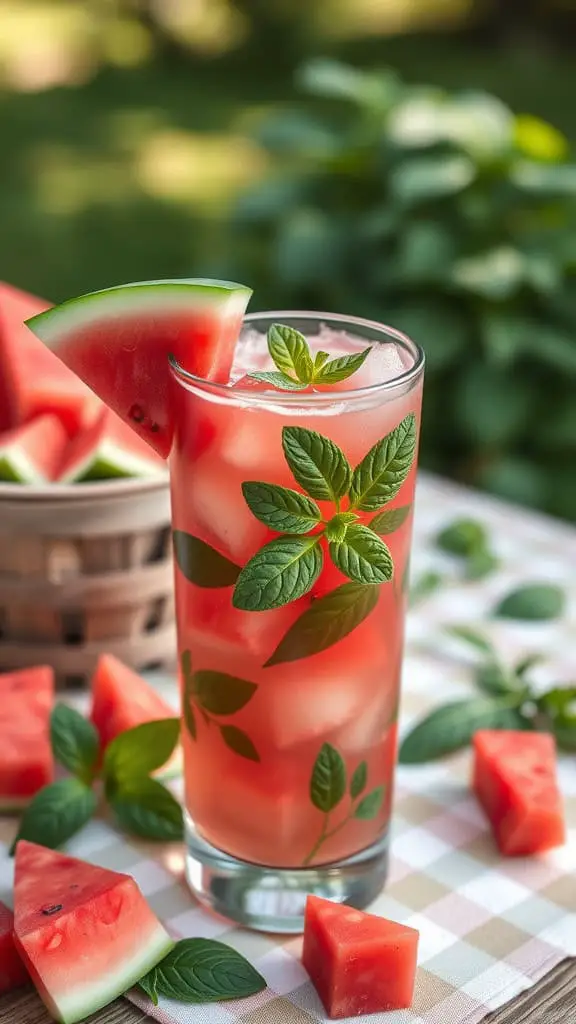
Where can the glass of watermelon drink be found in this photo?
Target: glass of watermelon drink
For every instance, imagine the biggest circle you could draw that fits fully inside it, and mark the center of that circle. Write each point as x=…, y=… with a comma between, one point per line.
x=292, y=513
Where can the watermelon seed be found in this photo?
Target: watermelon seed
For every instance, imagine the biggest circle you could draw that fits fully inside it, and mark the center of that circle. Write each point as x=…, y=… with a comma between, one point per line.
x=154, y=427
x=137, y=414
x=51, y=910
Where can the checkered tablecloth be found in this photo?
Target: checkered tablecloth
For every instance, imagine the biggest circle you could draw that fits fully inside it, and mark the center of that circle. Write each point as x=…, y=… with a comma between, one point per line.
x=489, y=926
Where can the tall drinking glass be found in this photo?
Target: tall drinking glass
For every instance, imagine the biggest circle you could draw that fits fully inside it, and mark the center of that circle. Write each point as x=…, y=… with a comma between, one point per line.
x=292, y=515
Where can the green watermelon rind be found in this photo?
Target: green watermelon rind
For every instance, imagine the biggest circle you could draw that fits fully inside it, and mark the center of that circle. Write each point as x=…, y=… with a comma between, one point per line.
x=17, y=468
x=90, y=997
x=139, y=299
x=112, y=462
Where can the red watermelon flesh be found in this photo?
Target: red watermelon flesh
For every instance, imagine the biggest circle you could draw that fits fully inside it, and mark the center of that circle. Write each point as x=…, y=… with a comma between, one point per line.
x=122, y=699
x=32, y=453
x=514, y=779
x=119, y=342
x=358, y=963
x=33, y=381
x=26, y=762
x=85, y=934
x=12, y=971
x=106, y=450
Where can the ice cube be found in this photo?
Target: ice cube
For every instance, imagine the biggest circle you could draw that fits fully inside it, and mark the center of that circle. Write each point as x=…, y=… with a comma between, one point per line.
x=308, y=706
x=251, y=353
x=216, y=503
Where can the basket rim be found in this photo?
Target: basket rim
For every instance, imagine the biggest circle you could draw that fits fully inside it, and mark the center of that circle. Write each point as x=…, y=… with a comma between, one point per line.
x=101, y=490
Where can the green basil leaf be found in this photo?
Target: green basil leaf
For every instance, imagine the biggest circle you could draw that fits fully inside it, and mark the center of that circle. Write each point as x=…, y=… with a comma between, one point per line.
x=390, y=520
x=141, y=750
x=536, y=602
x=280, y=508
x=337, y=527
x=328, y=781
x=522, y=667
x=290, y=352
x=320, y=359
x=425, y=585
x=452, y=726
x=202, y=564
x=359, y=780
x=239, y=741
x=203, y=971
x=341, y=368
x=188, y=694
x=75, y=742
x=318, y=465
x=146, y=808
x=371, y=805
x=480, y=564
x=559, y=706
x=56, y=813
x=327, y=621
x=221, y=694
x=363, y=556
x=148, y=986
x=380, y=475
x=278, y=573
x=463, y=537
x=472, y=637
x=277, y=380
x=494, y=678
x=558, y=699
x=565, y=736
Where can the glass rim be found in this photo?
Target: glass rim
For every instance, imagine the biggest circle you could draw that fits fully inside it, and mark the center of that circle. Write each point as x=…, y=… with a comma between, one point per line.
x=298, y=398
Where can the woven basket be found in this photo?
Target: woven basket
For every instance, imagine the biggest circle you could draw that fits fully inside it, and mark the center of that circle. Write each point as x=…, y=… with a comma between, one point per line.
x=83, y=570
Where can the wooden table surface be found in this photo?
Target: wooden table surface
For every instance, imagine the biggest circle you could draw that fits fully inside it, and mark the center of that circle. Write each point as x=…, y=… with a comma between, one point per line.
x=551, y=1001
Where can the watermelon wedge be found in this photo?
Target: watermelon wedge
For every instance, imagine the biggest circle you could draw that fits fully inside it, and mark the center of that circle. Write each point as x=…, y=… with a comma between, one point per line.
x=85, y=934
x=515, y=781
x=122, y=699
x=108, y=449
x=12, y=971
x=32, y=453
x=119, y=340
x=358, y=963
x=32, y=380
x=26, y=762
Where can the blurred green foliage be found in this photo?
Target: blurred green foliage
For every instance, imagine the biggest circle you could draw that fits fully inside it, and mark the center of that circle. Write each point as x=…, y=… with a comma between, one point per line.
x=445, y=215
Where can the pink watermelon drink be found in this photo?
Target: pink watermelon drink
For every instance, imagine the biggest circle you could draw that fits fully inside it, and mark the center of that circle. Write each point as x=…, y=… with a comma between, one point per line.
x=292, y=513
x=292, y=463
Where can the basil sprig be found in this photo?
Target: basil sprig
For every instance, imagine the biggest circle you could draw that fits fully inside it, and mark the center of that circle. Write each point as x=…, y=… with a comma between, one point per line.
x=141, y=805
x=296, y=369
x=508, y=701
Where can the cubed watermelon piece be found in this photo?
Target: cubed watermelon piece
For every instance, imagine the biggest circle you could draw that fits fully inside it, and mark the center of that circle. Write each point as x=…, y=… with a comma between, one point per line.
x=122, y=699
x=514, y=779
x=26, y=762
x=358, y=963
x=32, y=453
x=33, y=381
x=86, y=934
x=108, y=449
x=12, y=971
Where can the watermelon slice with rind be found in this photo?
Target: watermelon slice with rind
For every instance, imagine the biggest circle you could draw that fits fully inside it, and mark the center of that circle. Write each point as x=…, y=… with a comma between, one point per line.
x=119, y=341
x=32, y=453
x=85, y=933
x=108, y=450
x=32, y=380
